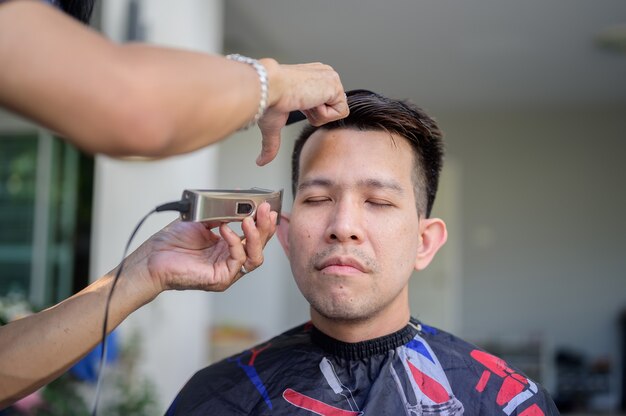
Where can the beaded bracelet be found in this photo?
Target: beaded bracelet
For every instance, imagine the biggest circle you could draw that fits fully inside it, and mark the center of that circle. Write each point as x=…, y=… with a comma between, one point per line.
x=262, y=73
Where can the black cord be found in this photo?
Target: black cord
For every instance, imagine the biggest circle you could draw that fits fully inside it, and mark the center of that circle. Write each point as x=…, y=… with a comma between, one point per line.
x=181, y=206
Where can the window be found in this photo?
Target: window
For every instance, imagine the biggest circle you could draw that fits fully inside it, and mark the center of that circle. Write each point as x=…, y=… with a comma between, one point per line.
x=45, y=214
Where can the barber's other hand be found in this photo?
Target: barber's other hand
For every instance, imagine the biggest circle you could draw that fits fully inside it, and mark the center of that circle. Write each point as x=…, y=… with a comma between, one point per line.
x=314, y=88
x=187, y=255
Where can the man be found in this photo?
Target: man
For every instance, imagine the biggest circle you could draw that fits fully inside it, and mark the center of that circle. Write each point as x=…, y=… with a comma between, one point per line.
x=363, y=189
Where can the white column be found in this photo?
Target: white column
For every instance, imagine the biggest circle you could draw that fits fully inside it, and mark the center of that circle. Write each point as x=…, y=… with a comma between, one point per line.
x=174, y=327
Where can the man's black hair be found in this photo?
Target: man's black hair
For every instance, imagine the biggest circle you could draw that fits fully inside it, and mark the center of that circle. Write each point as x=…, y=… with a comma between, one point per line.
x=79, y=9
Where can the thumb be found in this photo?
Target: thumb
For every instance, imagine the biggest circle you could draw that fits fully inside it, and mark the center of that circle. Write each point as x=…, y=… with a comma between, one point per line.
x=269, y=146
x=270, y=124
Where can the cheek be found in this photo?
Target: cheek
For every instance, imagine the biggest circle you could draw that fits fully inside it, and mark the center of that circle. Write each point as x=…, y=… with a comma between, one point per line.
x=303, y=231
x=398, y=246
x=301, y=241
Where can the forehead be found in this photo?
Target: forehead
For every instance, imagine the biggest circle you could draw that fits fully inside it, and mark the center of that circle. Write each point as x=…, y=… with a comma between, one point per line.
x=349, y=155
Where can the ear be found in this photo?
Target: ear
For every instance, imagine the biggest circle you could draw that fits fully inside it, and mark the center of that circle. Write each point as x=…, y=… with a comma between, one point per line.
x=282, y=231
x=433, y=235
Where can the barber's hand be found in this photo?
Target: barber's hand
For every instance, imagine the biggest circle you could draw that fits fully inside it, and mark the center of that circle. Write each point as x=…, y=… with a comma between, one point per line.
x=187, y=255
x=315, y=89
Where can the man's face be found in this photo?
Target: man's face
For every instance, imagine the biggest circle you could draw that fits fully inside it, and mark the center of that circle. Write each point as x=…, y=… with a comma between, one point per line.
x=354, y=229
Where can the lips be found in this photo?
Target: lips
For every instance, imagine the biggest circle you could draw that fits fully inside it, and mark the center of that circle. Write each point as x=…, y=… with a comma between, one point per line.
x=341, y=264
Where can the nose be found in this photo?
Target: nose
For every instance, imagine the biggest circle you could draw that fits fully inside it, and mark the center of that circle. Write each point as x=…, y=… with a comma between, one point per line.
x=345, y=224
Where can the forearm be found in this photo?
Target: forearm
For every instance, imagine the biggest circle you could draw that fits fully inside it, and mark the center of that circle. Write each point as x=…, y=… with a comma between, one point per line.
x=118, y=99
x=37, y=349
x=182, y=256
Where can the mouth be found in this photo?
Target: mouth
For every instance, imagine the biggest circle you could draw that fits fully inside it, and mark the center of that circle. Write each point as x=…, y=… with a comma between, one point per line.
x=341, y=265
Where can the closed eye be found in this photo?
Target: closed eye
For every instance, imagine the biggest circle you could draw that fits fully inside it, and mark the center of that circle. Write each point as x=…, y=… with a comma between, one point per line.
x=316, y=199
x=378, y=203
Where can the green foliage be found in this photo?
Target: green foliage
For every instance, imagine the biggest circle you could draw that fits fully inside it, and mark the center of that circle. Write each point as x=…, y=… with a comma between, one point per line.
x=123, y=393
x=62, y=398
x=134, y=399
x=120, y=397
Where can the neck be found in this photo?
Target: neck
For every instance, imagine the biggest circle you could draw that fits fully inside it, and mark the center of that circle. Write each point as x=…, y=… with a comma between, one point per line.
x=358, y=330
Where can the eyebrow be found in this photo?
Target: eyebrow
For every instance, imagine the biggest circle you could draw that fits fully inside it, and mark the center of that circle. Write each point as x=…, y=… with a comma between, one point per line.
x=371, y=183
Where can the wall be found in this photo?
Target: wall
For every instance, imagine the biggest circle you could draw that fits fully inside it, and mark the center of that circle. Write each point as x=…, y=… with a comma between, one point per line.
x=173, y=328
x=543, y=225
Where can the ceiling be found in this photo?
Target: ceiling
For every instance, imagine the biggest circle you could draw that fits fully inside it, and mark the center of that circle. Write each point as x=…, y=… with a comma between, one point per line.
x=446, y=55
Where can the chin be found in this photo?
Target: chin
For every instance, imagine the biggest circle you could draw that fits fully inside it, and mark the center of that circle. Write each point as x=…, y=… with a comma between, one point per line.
x=340, y=311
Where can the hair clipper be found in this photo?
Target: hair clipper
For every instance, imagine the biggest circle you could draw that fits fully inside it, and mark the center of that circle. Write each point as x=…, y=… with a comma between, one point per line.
x=228, y=205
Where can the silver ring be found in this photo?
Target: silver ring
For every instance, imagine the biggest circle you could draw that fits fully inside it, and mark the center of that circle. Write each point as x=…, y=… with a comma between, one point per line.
x=243, y=270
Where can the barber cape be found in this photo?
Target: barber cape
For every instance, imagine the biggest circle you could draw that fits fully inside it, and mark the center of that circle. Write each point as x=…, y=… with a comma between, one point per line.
x=418, y=370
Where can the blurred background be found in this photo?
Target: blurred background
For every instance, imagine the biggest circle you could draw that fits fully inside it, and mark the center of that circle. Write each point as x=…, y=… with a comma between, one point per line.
x=532, y=99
